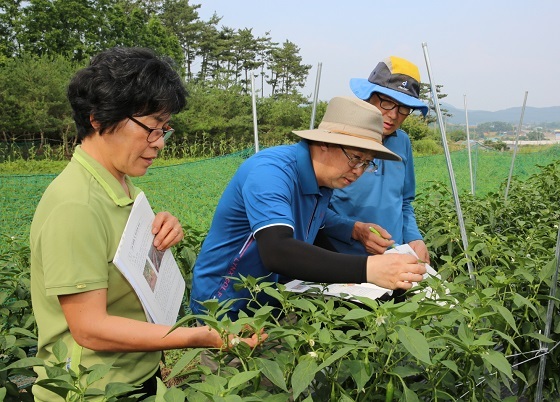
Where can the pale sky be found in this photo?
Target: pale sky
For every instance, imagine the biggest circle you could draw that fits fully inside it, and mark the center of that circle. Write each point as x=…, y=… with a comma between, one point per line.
x=490, y=51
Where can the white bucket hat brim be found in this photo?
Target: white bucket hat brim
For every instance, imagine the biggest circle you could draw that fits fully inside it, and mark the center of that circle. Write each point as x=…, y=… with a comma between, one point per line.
x=351, y=122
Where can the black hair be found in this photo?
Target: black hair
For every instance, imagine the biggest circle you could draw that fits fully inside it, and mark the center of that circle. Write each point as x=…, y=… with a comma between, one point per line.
x=122, y=82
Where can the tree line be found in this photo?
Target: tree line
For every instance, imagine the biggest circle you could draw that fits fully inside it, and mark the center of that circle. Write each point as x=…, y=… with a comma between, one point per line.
x=45, y=41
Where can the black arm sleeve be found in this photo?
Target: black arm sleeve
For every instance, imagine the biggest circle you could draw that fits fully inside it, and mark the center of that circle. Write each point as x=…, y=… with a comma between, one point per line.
x=283, y=254
x=323, y=241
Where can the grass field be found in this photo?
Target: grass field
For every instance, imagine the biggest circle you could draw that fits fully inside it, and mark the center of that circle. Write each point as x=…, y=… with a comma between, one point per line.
x=191, y=190
x=490, y=168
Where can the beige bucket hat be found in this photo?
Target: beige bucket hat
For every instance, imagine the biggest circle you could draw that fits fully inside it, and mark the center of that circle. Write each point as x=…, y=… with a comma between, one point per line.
x=352, y=122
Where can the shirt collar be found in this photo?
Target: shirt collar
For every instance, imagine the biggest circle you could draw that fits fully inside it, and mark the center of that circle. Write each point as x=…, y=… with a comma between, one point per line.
x=306, y=173
x=109, y=183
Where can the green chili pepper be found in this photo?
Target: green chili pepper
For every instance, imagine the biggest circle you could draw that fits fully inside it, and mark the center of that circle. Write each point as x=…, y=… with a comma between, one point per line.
x=390, y=391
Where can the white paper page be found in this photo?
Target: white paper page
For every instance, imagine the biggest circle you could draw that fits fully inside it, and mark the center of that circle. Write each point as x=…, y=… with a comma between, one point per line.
x=406, y=249
x=359, y=289
x=337, y=289
x=154, y=275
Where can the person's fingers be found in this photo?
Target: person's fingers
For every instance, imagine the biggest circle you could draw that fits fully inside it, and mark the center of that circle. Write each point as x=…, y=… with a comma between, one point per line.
x=255, y=340
x=418, y=268
x=174, y=236
x=412, y=277
x=403, y=285
x=167, y=230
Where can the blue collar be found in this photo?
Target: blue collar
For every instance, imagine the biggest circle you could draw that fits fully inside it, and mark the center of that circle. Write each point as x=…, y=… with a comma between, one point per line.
x=306, y=173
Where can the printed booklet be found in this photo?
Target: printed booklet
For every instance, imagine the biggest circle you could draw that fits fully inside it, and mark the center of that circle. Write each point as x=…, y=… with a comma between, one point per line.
x=154, y=275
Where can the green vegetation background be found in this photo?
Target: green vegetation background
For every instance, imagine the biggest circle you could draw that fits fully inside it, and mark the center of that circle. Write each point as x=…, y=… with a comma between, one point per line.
x=191, y=190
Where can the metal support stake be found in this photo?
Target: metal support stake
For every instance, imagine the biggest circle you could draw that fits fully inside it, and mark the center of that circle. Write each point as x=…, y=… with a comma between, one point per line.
x=254, y=103
x=449, y=166
x=469, y=144
x=315, y=95
x=515, y=146
x=548, y=325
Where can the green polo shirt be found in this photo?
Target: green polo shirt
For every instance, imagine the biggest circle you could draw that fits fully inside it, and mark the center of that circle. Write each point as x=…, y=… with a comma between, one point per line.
x=74, y=236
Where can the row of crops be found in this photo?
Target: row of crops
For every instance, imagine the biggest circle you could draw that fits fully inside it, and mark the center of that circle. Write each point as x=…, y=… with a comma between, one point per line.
x=475, y=339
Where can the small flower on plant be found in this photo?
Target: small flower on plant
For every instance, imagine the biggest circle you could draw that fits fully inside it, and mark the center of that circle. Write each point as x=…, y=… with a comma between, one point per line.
x=311, y=342
x=380, y=320
x=313, y=354
x=234, y=341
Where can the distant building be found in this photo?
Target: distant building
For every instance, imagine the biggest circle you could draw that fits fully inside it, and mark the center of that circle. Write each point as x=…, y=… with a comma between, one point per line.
x=557, y=134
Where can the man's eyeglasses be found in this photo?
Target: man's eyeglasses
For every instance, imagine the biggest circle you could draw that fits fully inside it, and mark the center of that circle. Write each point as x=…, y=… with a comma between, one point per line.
x=154, y=134
x=387, y=104
x=354, y=162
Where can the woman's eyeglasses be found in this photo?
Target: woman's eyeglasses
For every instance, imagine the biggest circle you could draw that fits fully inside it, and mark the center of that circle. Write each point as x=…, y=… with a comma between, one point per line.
x=155, y=134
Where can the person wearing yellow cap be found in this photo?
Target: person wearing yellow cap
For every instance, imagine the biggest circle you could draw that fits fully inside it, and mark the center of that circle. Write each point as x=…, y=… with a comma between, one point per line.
x=382, y=199
x=268, y=221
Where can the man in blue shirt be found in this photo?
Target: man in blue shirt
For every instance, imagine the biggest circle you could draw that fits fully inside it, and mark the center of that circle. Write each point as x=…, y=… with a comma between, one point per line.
x=269, y=216
x=382, y=199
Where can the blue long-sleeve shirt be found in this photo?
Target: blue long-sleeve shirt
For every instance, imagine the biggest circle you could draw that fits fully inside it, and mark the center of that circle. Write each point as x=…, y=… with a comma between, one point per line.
x=383, y=197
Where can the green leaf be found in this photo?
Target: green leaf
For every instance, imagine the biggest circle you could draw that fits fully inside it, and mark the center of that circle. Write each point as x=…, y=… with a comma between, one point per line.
x=23, y=331
x=335, y=356
x=173, y=394
x=345, y=398
x=282, y=397
x=25, y=362
x=303, y=304
x=227, y=398
x=59, y=387
x=545, y=274
x=263, y=311
x=450, y=364
x=415, y=343
x=406, y=371
x=523, y=301
x=504, y=312
x=57, y=372
x=204, y=388
x=184, y=361
x=274, y=293
x=303, y=374
x=272, y=371
x=114, y=389
x=324, y=336
x=465, y=334
x=60, y=350
x=499, y=361
x=428, y=310
x=18, y=304
x=242, y=378
x=540, y=337
x=9, y=341
x=358, y=372
x=408, y=394
x=98, y=372
x=357, y=314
